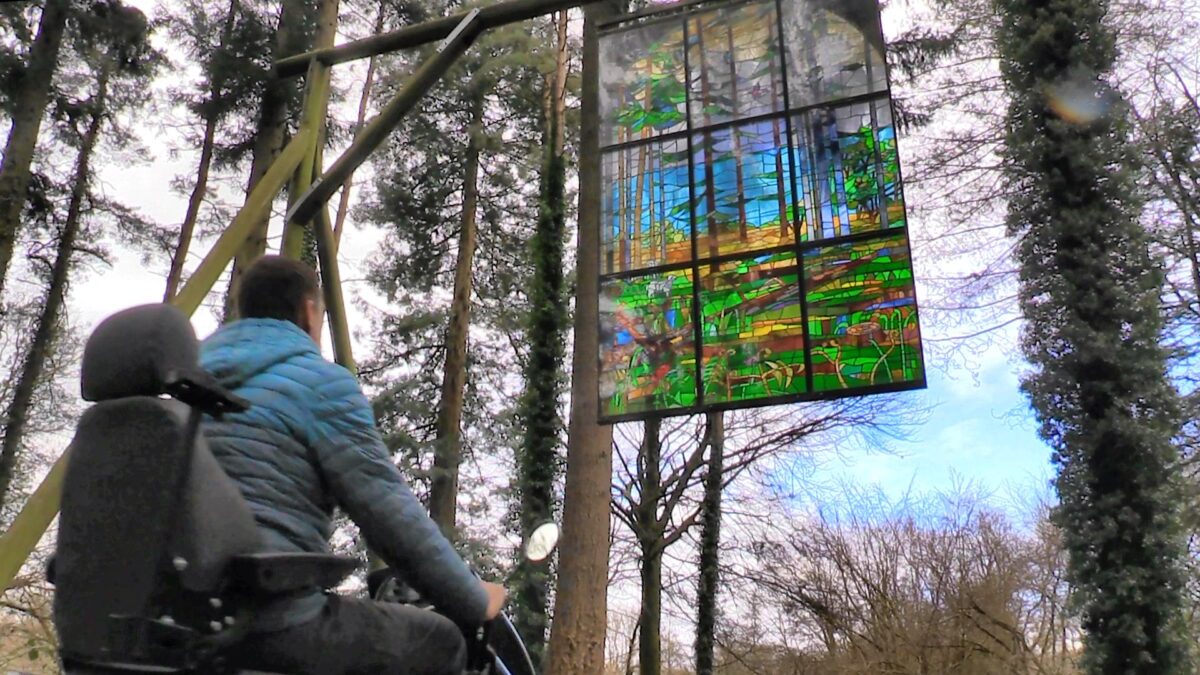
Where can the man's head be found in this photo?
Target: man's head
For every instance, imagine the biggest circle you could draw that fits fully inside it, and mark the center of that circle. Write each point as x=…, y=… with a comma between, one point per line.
x=275, y=287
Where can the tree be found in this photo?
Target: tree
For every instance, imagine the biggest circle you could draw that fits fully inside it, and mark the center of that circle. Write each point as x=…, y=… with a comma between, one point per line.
x=228, y=41
x=113, y=44
x=539, y=462
x=443, y=488
x=364, y=101
x=277, y=111
x=1089, y=289
x=577, y=633
x=657, y=475
x=28, y=108
x=710, y=542
x=453, y=188
x=938, y=585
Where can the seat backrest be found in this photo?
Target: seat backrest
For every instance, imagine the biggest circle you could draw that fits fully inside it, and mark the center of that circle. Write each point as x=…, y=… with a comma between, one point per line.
x=148, y=520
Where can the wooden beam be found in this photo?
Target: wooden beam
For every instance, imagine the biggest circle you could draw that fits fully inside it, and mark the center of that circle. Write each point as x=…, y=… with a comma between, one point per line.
x=312, y=118
x=492, y=16
x=377, y=131
x=312, y=122
x=331, y=286
x=31, y=523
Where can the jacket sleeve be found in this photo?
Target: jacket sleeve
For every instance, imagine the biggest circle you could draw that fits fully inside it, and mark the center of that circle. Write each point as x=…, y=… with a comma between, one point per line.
x=373, y=493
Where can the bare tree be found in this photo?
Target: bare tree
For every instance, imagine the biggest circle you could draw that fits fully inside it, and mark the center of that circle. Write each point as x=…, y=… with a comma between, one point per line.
x=658, y=473
x=951, y=587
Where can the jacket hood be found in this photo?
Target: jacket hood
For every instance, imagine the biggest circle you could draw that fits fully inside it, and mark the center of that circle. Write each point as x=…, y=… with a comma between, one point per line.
x=240, y=350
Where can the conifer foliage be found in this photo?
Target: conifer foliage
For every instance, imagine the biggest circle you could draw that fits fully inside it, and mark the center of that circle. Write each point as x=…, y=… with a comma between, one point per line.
x=1089, y=291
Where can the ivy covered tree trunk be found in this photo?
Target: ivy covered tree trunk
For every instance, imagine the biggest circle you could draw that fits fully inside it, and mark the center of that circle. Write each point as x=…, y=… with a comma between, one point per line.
x=710, y=544
x=1089, y=291
x=16, y=415
x=443, y=489
x=538, y=460
x=31, y=98
x=581, y=606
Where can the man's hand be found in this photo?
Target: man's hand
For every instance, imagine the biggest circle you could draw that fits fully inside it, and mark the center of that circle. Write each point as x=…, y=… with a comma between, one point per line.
x=497, y=595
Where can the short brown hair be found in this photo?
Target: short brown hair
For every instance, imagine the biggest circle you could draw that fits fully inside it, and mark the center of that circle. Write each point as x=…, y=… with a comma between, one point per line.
x=275, y=287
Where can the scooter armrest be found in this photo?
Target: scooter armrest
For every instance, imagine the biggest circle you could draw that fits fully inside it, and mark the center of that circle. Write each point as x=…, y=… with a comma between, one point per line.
x=279, y=573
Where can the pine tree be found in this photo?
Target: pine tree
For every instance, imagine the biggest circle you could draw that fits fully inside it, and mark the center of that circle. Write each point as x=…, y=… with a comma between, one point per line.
x=1089, y=291
x=278, y=108
x=112, y=42
x=450, y=188
x=28, y=108
x=228, y=39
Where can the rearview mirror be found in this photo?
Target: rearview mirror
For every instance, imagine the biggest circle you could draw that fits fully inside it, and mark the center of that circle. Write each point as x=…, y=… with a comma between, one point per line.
x=542, y=542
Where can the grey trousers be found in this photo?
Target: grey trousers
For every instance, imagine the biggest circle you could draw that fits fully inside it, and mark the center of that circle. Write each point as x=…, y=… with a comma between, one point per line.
x=359, y=637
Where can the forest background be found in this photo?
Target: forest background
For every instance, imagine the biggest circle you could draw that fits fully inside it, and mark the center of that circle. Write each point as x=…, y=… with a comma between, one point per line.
x=931, y=505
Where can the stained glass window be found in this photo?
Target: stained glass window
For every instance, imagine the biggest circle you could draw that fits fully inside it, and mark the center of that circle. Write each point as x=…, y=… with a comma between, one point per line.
x=647, y=342
x=862, y=314
x=849, y=169
x=742, y=180
x=645, y=206
x=734, y=69
x=754, y=243
x=834, y=49
x=753, y=329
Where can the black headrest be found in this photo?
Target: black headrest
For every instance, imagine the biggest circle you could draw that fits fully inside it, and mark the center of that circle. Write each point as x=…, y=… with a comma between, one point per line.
x=139, y=351
x=150, y=350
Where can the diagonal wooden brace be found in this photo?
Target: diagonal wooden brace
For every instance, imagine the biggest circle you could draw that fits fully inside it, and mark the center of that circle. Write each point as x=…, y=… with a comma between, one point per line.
x=374, y=134
x=491, y=16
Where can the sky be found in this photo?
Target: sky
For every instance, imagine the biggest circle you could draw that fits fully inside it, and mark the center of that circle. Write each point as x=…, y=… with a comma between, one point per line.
x=979, y=431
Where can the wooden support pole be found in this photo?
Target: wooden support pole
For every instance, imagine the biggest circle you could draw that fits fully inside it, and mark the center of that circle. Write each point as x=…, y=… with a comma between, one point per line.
x=312, y=118
x=312, y=122
x=331, y=286
x=377, y=131
x=31, y=523
x=492, y=16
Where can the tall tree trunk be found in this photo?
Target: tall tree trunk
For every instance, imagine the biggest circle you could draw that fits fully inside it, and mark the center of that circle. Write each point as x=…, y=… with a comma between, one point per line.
x=581, y=609
x=179, y=256
x=200, y=189
x=443, y=491
x=272, y=132
x=650, y=539
x=539, y=463
x=625, y=233
x=364, y=103
x=780, y=181
x=16, y=416
x=30, y=106
x=643, y=156
x=710, y=542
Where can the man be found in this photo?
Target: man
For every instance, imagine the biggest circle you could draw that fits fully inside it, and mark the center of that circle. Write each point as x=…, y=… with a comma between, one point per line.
x=308, y=443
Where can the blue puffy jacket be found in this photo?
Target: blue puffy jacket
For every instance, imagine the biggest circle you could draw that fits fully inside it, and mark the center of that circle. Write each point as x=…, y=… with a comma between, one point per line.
x=308, y=443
